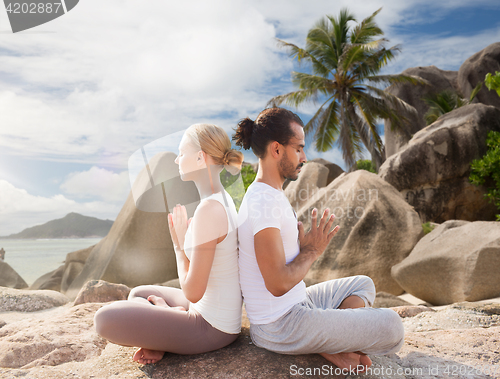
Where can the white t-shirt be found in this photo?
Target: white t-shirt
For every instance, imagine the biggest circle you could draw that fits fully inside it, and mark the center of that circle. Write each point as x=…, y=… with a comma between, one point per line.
x=221, y=304
x=266, y=207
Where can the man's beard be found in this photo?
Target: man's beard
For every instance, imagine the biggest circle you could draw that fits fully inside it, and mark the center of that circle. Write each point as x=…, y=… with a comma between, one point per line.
x=287, y=169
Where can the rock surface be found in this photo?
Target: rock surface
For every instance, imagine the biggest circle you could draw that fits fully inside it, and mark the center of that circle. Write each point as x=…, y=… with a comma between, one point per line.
x=432, y=171
x=474, y=70
x=14, y=300
x=459, y=337
x=10, y=278
x=64, y=338
x=439, y=80
x=457, y=261
x=411, y=310
x=138, y=249
x=377, y=229
x=99, y=291
x=313, y=176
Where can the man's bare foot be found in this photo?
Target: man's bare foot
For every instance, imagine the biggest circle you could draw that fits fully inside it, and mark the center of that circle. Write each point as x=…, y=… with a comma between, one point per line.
x=355, y=362
x=146, y=356
x=156, y=300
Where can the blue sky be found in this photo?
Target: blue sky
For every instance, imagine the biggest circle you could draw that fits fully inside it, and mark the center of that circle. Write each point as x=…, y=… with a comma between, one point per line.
x=80, y=94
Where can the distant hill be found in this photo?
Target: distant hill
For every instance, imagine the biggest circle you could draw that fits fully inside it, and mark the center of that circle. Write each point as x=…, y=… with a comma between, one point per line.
x=73, y=225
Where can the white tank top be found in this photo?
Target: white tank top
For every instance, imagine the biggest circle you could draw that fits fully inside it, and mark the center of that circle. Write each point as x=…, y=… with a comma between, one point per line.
x=221, y=304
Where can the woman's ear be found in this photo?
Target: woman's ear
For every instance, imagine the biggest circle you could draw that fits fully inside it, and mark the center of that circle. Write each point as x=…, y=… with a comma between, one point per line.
x=202, y=157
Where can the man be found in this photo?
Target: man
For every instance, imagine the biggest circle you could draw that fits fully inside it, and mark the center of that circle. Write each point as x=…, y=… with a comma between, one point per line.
x=275, y=254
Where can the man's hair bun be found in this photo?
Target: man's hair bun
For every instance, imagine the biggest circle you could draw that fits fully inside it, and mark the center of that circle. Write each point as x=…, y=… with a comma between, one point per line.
x=244, y=131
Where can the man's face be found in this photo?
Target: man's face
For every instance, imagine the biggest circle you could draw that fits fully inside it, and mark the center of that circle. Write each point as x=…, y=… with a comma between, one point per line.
x=294, y=156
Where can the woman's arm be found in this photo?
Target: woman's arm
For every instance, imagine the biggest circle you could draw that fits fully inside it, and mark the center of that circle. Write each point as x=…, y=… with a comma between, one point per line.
x=209, y=225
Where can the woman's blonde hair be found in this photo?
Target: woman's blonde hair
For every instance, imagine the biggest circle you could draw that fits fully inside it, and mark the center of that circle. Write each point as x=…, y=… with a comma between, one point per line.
x=214, y=141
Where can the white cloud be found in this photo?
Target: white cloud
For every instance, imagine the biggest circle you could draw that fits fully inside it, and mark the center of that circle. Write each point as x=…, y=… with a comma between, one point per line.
x=20, y=210
x=98, y=183
x=107, y=82
x=444, y=52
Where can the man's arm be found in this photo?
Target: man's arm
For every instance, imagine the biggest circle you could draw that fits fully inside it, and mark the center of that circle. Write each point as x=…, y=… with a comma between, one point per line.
x=280, y=277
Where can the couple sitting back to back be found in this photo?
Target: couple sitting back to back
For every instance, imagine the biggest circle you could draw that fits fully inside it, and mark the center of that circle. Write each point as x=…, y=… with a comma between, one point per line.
x=264, y=249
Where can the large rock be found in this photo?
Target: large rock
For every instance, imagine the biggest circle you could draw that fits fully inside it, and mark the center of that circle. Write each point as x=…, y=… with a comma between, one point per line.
x=99, y=291
x=457, y=261
x=49, y=281
x=312, y=177
x=60, y=278
x=138, y=248
x=333, y=170
x=474, y=70
x=439, y=80
x=377, y=230
x=13, y=300
x=73, y=266
x=432, y=171
x=10, y=278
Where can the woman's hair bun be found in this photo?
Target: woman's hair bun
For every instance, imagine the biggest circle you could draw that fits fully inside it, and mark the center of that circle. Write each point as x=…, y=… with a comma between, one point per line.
x=244, y=131
x=233, y=160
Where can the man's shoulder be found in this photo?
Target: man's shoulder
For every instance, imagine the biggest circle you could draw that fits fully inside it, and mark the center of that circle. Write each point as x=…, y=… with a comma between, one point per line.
x=260, y=190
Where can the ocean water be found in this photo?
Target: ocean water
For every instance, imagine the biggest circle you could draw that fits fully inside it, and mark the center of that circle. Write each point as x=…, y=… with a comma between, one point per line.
x=34, y=258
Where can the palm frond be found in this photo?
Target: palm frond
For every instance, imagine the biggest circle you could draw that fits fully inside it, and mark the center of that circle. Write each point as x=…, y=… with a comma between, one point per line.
x=295, y=98
x=308, y=81
x=475, y=91
x=326, y=126
x=316, y=120
x=369, y=123
x=341, y=29
x=366, y=30
x=397, y=79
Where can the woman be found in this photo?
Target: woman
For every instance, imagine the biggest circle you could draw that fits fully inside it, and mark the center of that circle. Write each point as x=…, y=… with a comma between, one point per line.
x=206, y=314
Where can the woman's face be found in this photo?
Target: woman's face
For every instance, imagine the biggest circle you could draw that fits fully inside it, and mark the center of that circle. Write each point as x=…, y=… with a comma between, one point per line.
x=188, y=158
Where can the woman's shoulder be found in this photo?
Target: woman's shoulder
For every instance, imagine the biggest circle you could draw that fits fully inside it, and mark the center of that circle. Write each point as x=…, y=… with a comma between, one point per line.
x=210, y=209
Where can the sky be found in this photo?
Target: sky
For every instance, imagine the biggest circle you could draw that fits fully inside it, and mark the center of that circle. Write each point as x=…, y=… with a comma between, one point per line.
x=80, y=94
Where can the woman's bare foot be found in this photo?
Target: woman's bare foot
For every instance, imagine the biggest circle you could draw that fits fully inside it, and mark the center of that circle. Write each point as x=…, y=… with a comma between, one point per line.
x=146, y=356
x=350, y=361
x=156, y=300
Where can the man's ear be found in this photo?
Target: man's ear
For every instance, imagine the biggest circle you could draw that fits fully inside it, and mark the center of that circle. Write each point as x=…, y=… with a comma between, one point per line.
x=275, y=149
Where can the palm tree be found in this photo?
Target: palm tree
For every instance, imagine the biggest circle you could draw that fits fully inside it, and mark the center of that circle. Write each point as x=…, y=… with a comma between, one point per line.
x=345, y=61
x=446, y=101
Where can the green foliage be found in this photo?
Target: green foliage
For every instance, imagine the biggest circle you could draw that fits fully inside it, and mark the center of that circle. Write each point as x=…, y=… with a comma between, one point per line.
x=446, y=101
x=345, y=59
x=428, y=227
x=487, y=170
x=248, y=175
x=493, y=82
x=237, y=185
x=366, y=164
x=234, y=186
